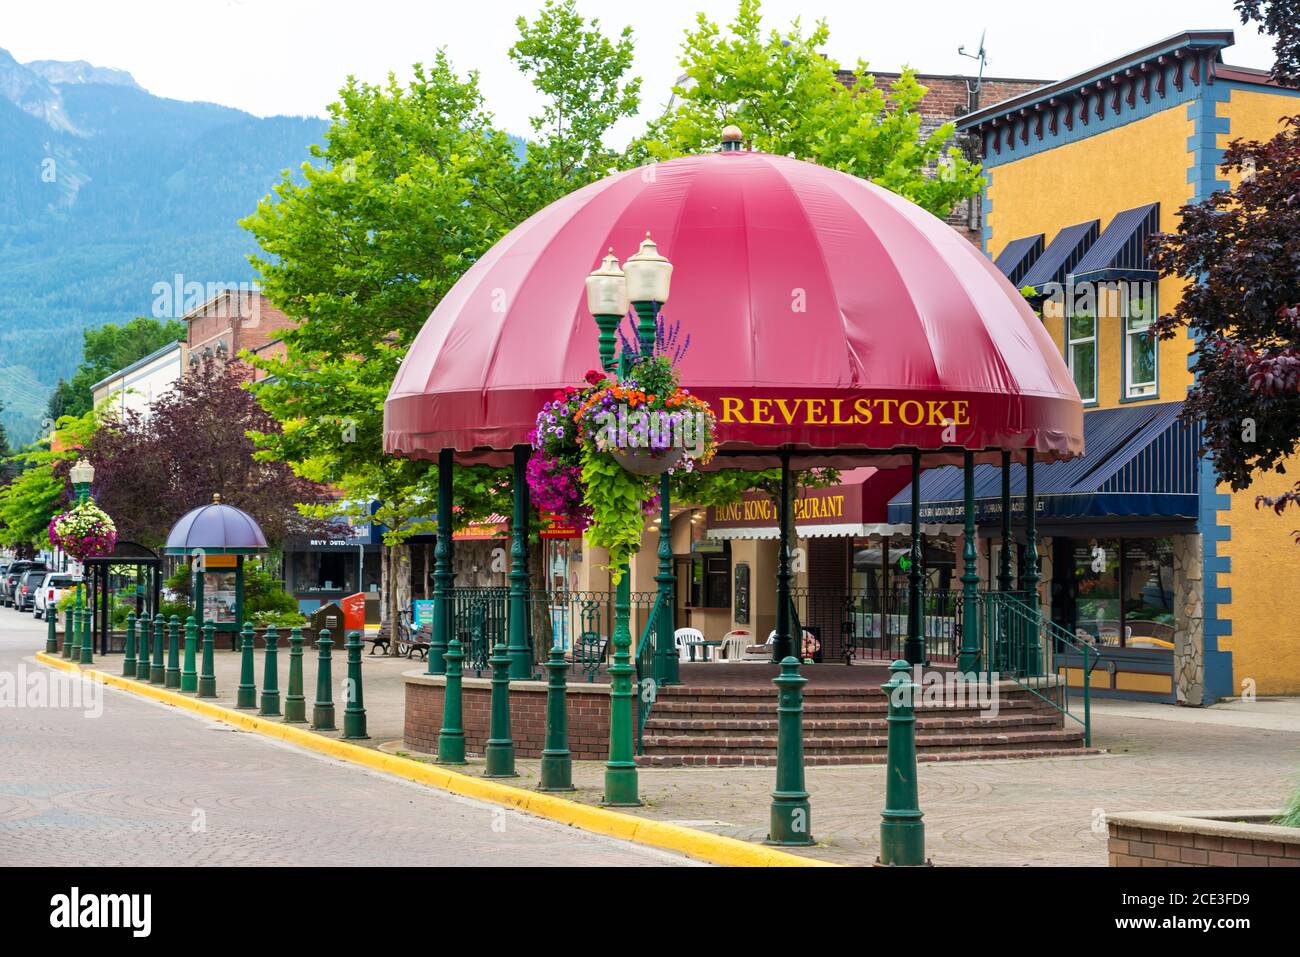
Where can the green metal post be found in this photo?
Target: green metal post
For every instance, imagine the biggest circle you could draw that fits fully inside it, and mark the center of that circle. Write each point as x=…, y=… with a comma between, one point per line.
x=51, y=630
x=914, y=646
x=246, y=694
x=902, y=833
x=142, y=653
x=354, y=711
x=295, y=704
x=791, y=820
x=968, y=660
x=1033, y=662
x=620, y=767
x=607, y=340
x=451, y=736
x=521, y=665
x=196, y=585
x=157, y=672
x=667, y=664
x=207, y=674
x=500, y=749
x=88, y=637
x=189, y=673
x=442, y=565
x=128, y=653
x=322, y=712
x=270, y=701
x=172, y=676
x=66, y=650
x=1004, y=562
x=557, y=762
x=783, y=645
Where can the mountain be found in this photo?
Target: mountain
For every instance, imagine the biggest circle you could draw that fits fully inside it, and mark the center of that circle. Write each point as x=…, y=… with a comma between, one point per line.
x=105, y=190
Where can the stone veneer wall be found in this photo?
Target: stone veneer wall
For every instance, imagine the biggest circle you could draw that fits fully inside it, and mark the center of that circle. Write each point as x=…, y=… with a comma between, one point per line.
x=588, y=715
x=1189, y=643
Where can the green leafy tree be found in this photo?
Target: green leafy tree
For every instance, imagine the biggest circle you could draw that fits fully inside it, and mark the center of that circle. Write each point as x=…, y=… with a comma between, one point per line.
x=41, y=488
x=787, y=98
x=104, y=351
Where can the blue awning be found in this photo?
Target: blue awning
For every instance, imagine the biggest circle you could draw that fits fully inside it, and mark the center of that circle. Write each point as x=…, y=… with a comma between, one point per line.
x=1059, y=258
x=1120, y=252
x=1018, y=256
x=1141, y=462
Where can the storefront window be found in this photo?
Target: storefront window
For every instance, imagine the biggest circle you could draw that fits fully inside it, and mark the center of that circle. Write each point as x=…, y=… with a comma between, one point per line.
x=1096, y=571
x=1149, y=593
x=1139, y=346
x=1123, y=592
x=325, y=571
x=1081, y=354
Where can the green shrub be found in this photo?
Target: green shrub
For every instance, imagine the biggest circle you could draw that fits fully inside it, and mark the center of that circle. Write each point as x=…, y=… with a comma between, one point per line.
x=1291, y=815
x=279, y=619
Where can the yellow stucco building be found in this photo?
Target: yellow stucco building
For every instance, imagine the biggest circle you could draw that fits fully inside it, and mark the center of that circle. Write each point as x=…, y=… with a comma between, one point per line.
x=1181, y=582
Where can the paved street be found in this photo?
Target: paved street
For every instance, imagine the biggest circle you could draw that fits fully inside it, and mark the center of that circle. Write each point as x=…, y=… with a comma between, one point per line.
x=144, y=784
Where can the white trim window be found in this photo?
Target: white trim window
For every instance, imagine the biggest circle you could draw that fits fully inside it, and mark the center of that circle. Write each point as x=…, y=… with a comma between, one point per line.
x=1140, y=352
x=1081, y=353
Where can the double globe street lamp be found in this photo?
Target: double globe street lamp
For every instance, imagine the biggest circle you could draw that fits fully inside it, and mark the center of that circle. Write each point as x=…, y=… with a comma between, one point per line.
x=82, y=476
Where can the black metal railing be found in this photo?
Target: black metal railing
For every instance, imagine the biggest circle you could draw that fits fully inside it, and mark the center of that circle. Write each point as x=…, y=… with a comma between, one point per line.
x=849, y=624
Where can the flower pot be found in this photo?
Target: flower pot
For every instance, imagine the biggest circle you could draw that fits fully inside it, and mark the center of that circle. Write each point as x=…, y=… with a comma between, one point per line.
x=648, y=461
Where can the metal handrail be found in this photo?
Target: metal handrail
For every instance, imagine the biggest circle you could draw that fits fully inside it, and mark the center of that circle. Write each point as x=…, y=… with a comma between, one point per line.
x=647, y=687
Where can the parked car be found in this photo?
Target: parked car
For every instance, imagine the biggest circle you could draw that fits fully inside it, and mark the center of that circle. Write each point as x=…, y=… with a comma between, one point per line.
x=9, y=584
x=51, y=589
x=25, y=591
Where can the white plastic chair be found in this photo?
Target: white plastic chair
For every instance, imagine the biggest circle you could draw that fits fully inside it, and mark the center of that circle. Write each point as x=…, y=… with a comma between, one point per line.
x=684, y=637
x=734, y=644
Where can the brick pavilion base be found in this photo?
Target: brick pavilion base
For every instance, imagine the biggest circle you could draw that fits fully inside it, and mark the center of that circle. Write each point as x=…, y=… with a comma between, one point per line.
x=1202, y=839
x=725, y=714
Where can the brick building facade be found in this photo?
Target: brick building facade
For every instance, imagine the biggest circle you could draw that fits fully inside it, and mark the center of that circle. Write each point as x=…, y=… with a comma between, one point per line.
x=235, y=320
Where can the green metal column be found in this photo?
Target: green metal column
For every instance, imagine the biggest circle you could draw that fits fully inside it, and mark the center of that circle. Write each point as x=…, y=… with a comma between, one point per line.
x=791, y=818
x=902, y=833
x=1033, y=658
x=172, y=676
x=500, y=749
x=646, y=326
x=783, y=643
x=621, y=789
x=88, y=637
x=189, y=673
x=142, y=655
x=270, y=702
x=914, y=647
x=1004, y=561
x=322, y=712
x=66, y=649
x=128, y=653
x=196, y=585
x=207, y=672
x=667, y=671
x=521, y=664
x=557, y=762
x=442, y=565
x=157, y=672
x=295, y=704
x=354, y=711
x=246, y=694
x=968, y=660
x=51, y=630
x=451, y=736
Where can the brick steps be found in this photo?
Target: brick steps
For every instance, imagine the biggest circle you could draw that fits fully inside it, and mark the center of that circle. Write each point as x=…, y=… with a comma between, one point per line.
x=848, y=710
x=863, y=744
x=851, y=727
x=831, y=760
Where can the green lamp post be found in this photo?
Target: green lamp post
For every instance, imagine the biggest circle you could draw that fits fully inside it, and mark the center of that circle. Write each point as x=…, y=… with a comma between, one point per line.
x=82, y=475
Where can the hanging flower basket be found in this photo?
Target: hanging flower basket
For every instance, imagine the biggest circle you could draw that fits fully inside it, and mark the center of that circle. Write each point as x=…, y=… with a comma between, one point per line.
x=84, y=531
x=599, y=448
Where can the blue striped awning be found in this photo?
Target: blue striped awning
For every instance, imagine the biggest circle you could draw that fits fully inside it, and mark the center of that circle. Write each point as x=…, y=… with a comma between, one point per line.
x=1018, y=256
x=1141, y=462
x=1120, y=252
x=1059, y=258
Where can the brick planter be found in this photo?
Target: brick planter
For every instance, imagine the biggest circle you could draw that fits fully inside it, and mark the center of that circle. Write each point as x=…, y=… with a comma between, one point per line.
x=1202, y=839
x=588, y=715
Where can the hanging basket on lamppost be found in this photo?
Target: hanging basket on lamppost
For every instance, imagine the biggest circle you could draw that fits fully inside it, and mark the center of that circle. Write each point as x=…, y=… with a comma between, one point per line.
x=84, y=531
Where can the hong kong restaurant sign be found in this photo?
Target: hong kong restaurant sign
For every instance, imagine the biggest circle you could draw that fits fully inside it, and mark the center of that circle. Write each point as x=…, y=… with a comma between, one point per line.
x=835, y=505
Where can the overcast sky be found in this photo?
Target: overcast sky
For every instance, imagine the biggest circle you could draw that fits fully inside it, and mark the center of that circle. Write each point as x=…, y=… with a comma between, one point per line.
x=290, y=56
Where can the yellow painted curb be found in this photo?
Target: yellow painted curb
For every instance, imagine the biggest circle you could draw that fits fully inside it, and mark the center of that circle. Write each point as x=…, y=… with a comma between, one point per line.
x=713, y=848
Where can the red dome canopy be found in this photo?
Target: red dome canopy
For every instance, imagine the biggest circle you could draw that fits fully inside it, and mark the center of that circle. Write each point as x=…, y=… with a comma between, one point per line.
x=824, y=312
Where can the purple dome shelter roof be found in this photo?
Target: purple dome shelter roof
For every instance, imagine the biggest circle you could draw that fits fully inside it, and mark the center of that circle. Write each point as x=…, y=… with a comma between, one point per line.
x=216, y=529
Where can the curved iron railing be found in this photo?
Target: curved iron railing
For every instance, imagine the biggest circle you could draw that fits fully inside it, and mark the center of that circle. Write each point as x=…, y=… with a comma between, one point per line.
x=871, y=623
x=647, y=687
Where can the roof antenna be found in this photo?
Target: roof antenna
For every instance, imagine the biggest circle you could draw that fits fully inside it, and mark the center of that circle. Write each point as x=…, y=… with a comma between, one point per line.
x=983, y=59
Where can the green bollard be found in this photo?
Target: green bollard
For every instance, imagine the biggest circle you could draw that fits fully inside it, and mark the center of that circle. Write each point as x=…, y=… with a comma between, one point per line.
x=189, y=676
x=172, y=676
x=51, y=630
x=557, y=762
x=500, y=750
x=322, y=712
x=271, y=674
x=66, y=649
x=142, y=650
x=208, y=674
x=354, y=711
x=295, y=705
x=128, y=652
x=87, y=638
x=156, y=672
x=451, y=736
x=246, y=694
x=791, y=822
x=902, y=834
